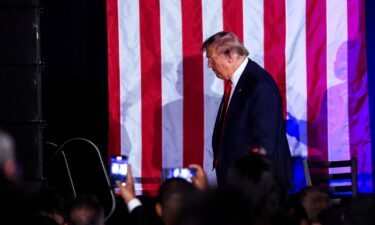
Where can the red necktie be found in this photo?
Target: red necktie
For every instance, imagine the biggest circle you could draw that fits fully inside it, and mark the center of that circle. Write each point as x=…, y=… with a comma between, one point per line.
x=228, y=89
x=223, y=113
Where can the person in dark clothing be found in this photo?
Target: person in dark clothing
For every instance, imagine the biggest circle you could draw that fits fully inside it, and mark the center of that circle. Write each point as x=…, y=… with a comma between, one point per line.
x=15, y=203
x=250, y=114
x=86, y=210
x=174, y=196
x=258, y=180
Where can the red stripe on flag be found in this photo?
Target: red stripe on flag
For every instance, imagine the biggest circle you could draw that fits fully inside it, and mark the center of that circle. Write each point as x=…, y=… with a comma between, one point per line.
x=275, y=43
x=359, y=130
x=316, y=61
x=193, y=102
x=114, y=142
x=233, y=17
x=151, y=94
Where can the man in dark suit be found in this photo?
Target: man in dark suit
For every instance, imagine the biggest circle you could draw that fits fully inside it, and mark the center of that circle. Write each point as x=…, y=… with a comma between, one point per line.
x=250, y=114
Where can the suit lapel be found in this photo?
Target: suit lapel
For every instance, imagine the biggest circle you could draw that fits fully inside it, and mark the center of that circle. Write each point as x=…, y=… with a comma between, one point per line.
x=233, y=104
x=215, y=135
x=240, y=87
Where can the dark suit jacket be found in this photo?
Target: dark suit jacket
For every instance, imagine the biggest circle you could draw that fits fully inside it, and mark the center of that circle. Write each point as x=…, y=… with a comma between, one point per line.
x=139, y=217
x=254, y=119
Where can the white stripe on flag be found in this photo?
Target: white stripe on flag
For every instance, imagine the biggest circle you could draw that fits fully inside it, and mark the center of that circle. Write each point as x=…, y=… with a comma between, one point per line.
x=213, y=87
x=296, y=76
x=130, y=84
x=337, y=81
x=172, y=83
x=253, y=30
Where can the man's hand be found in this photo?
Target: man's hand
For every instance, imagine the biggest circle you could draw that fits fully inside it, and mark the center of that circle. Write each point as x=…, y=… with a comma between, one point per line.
x=200, y=180
x=127, y=191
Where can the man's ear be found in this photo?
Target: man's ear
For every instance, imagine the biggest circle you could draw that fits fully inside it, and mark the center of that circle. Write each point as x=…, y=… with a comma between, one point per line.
x=158, y=209
x=230, y=57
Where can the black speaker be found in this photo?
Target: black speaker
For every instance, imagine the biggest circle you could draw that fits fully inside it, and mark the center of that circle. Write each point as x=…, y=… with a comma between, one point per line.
x=20, y=82
x=19, y=39
x=20, y=94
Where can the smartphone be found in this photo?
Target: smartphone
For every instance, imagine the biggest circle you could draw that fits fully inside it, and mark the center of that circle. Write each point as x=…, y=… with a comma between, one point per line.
x=184, y=173
x=118, y=170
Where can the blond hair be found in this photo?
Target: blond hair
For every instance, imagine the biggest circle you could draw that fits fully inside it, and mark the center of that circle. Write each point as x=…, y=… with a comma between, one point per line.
x=225, y=43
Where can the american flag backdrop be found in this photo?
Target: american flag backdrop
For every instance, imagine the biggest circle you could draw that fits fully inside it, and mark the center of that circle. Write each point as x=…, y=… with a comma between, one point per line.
x=163, y=99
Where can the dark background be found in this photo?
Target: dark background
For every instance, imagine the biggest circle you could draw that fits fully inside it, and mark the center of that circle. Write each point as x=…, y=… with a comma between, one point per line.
x=74, y=49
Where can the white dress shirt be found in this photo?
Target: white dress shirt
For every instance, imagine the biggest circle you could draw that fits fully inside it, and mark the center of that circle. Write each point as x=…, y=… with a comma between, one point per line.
x=236, y=77
x=134, y=203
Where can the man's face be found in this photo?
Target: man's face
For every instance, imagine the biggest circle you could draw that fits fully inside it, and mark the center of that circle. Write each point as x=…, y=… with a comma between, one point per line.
x=219, y=63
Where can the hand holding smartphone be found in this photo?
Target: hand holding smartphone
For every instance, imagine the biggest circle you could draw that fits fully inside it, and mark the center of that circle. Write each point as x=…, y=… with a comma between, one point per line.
x=118, y=170
x=121, y=178
x=184, y=173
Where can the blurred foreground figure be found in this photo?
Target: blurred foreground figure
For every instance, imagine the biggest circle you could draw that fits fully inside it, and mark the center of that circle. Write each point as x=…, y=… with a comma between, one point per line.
x=86, y=210
x=219, y=207
x=252, y=194
x=8, y=164
x=314, y=201
x=14, y=202
x=258, y=180
x=175, y=195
